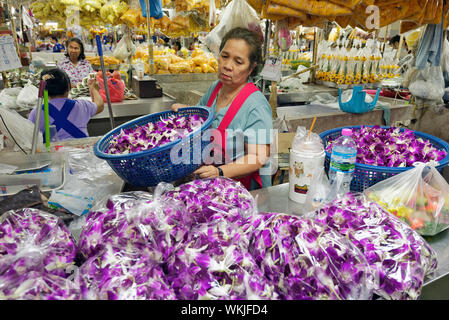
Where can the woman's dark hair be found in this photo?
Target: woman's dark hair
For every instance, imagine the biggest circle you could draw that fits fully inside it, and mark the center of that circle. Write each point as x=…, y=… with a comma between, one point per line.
x=81, y=56
x=59, y=84
x=54, y=38
x=178, y=43
x=254, y=42
x=396, y=38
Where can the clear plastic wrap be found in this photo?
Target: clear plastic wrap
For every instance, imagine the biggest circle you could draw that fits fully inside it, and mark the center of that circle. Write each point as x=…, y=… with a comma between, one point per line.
x=400, y=256
x=318, y=192
x=209, y=199
x=36, y=285
x=309, y=261
x=214, y=263
x=419, y=197
x=137, y=223
x=118, y=274
x=31, y=239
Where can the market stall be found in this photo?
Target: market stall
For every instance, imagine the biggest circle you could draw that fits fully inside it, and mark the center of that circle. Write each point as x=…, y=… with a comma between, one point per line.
x=365, y=212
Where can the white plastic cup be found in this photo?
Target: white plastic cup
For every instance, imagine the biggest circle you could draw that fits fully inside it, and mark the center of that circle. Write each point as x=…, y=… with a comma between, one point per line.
x=303, y=163
x=53, y=134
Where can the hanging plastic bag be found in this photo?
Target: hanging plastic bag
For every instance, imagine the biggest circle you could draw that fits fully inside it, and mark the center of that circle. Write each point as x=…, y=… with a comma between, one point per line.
x=155, y=8
x=284, y=36
x=419, y=196
x=116, y=89
x=18, y=130
x=445, y=62
x=27, y=97
x=237, y=13
x=428, y=84
x=125, y=48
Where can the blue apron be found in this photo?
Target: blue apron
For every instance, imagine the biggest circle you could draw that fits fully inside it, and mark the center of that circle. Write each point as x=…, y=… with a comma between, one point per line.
x=60, y=119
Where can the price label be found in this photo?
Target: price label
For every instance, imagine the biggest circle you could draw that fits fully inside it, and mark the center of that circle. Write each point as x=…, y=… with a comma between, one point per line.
x=272, y=69
x=8, y=55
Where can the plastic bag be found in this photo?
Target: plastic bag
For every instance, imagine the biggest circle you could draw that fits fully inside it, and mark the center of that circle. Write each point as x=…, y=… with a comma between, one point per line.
x=428, y=84
x=90, y=181
x=180, y=67
x=116, y=89
x=34, y=240
x=162, y=62
x=308, y=259
x=419, y=197
x=27, y=97
x=238, y=13
x=131, y=18
x=284, y=36
x=318, y=192
x=19, y=129
x=118, y=274
x=231, y=273
x=136, y=222
x=155, y=8
x=8, y=98
x=445, y=62
x=400, y=256
x=36, y=285
x=125, y=48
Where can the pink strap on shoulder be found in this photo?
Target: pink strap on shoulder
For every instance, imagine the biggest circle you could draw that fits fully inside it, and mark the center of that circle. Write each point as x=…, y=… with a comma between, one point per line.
x=214, y=94
x=247, y=90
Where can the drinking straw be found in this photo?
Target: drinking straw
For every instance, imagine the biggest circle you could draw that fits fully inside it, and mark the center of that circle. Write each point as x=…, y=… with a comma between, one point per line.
x=311, y=127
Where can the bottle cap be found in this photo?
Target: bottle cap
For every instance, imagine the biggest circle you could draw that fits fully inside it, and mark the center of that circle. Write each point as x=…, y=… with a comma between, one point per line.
x=346, y=132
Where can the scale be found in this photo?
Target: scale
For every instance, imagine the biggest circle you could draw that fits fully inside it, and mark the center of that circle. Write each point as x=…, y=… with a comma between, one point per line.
x=45, y=170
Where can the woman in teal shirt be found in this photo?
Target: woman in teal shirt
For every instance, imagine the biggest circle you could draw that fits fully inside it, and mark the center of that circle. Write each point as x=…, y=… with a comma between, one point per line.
x=242, y=113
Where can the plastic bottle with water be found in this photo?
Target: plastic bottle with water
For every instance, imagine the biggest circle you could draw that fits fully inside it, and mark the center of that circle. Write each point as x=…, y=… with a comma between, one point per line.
x=342, y=164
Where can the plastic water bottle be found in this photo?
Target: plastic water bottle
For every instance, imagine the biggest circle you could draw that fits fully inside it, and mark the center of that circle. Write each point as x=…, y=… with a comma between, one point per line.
x=342, y=164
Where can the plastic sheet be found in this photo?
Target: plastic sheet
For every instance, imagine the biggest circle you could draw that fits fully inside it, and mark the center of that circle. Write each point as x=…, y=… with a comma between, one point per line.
x=400, y=256
x=419, y=197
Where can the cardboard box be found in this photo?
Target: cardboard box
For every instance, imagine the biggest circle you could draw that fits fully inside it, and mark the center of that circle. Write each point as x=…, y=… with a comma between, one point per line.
x=285, y=140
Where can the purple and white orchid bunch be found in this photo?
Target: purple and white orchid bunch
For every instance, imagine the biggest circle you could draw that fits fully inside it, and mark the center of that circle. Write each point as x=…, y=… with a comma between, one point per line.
x=154, y=134
x=36, y=251
x=400, y=256
x=309, y=261
x=389, y=147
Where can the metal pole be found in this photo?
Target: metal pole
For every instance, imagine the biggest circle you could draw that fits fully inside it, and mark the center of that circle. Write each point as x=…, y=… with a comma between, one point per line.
x=105, y=80
x=150, y=40
x=37, y=120
x=266, y=46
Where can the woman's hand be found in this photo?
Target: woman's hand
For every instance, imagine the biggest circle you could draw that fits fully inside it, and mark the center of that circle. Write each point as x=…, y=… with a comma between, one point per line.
x=175, y=107
x=93, y=84
x=207, y=172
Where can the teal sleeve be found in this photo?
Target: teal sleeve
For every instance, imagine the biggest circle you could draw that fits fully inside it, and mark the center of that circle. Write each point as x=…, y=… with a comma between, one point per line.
x=259, y=121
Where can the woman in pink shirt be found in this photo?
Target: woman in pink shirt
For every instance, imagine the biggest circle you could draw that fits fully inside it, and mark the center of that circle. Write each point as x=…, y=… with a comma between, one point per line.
x=74, y=63
x=69, y=116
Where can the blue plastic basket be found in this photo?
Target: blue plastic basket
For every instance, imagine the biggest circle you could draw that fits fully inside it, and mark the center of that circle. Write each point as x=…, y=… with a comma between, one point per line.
x=150, y=167
x=366, y=175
